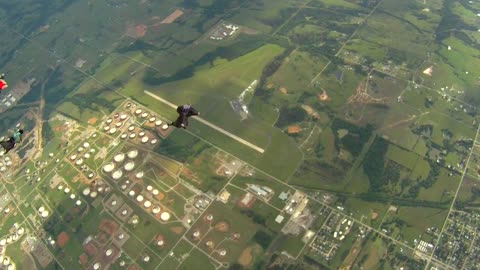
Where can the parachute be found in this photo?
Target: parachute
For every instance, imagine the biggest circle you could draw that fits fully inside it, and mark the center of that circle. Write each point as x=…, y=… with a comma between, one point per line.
x=3, y=83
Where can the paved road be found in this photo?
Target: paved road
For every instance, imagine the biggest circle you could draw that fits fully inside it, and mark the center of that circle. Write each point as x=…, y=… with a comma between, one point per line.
x=217, y=128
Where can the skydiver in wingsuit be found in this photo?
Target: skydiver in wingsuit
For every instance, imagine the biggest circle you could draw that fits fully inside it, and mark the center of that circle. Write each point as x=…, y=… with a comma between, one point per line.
x=184, y=112
x=3, y=83
x=11, y=142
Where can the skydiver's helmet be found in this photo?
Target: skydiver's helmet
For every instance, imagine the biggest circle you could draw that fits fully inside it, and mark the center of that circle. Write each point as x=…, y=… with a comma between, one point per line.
x=186, y=107
x=2, y=76
x=21, y=131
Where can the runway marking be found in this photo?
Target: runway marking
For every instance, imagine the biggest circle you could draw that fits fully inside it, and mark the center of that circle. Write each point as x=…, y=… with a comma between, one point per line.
x=205, y=122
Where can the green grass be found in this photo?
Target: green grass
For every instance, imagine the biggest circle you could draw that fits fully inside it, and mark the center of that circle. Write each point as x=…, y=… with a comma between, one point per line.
x=418, y=219
x=405, y=158
x=441, y=121
x=442, y=190
x=292, y=245
x=374, y=250
x=361, y=208
x=195, y=259
x=296, y=72
x=421, y=170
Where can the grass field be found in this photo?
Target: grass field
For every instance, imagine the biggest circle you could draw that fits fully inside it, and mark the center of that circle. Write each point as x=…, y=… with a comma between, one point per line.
x=442, y=190
x=405, y=158
x=294, y=75
x=237, y=223
x=418, y=219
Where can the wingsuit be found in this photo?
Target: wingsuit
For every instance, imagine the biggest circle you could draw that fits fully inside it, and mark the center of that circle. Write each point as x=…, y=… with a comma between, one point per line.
x=184, y=112
x=11, y=142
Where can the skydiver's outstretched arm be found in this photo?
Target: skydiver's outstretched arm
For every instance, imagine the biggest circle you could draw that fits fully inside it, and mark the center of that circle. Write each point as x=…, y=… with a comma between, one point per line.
x=193, y=112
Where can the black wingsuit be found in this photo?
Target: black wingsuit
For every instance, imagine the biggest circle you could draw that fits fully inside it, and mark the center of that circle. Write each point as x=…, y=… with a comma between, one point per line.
x=184, y=111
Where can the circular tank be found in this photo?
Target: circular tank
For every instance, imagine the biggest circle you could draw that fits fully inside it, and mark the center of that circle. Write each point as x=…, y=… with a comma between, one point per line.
x=93, y=195
x=146, y=259
x=119, y=124
x=160, y=242
x=132, y=154
x=139, y=198
x=80, y=149
x=116, y=115
x=113, y=203
x=123, y=116
x=3, y=242
x=129, y=166
x=86, y=156
x=3, y=169
x=109, y=121
x=149, y=188
x=141, y=134
x=123, y=136
x=106, y=128
x=158, y=123
x=96, y=266
x=117, y=174
x=79, y=161
x=156, y=209
x=123, y=187
x=138, y=111
x=11, y=267
x=109, y=252
x=112, y=130
x=144, y=139
x=66, y=190
x=21, y=231
x=124, y=213
x=73, y=157
x=45, y=214
x=147, y=204
x=86, y=191
x=60, y=187
x=139, y=175
x=155, y=192
x=78, y=202
x=133, y=135
x=108, y=167
x=131, y=128
x=152, y=119
x=86, y=144
x=41, y=209
x=144, y=115
x=131, y=193
x=165, y=216
x=72, y=196
x=165, y=126
x=119, y=157
x=154, y=141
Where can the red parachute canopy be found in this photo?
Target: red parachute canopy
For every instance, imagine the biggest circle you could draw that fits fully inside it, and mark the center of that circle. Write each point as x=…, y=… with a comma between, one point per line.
x=3, y=85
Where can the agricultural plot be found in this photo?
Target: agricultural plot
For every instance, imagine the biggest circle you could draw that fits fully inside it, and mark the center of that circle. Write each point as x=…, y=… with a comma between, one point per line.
x=265, y=16
x=412, y=223
x=320, y=31
x=340, y=147
x=296, y=72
